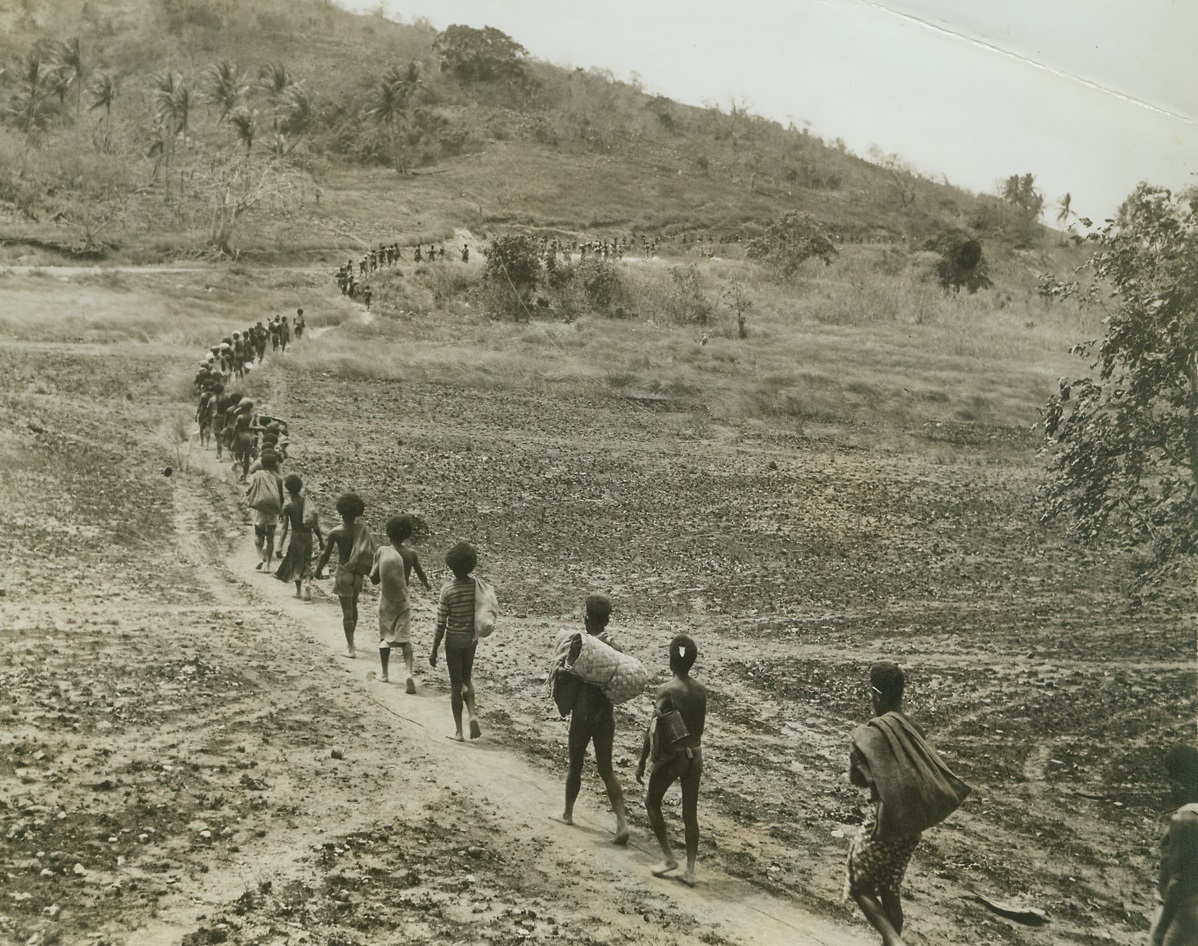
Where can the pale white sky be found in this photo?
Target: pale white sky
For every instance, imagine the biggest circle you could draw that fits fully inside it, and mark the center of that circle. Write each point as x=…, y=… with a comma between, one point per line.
x=1091, y=96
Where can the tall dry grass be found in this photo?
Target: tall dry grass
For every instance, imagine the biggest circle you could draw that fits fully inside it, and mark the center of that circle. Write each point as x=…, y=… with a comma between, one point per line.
x=870, y=341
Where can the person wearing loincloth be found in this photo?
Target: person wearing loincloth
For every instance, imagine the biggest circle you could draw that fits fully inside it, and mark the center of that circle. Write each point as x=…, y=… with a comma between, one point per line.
x=673, y=746
x=241, y=437
x=390, y=573
x=455, y=625
x=347, y=580
x=1177, y=922
x=301, y=520
x=593, y=721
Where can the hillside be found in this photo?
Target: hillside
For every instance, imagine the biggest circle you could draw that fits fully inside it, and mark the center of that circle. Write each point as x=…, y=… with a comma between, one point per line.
x=758, y=389
x=130, y=128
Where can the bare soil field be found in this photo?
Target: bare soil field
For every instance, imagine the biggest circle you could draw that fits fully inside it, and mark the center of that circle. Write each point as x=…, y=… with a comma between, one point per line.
x=185, y=757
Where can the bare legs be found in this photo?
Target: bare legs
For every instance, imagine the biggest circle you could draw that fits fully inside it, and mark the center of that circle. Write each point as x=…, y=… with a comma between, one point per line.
x=885, y=914
x=385, y=660
x=460, y=662
x=687, y=772
x=582, y=731
x=264, y=542
x=349, y=620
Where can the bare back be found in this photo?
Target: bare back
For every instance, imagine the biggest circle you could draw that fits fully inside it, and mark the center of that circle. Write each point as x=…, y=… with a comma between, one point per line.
x=689, y=697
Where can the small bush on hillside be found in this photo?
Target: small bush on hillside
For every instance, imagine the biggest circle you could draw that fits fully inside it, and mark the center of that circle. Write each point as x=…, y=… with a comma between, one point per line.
x=512, y=274
x=789, y=242
x=686, y=302
x=962, y=265
x=602, y=284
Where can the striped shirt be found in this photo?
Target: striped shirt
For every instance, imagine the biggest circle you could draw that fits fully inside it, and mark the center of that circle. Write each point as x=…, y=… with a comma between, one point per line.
x=455, y=612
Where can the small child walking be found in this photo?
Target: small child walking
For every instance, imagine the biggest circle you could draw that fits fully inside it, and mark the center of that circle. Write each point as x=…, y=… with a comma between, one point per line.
x=393, y=565
x=303, y=523
x=455, y=625
x=355, y=555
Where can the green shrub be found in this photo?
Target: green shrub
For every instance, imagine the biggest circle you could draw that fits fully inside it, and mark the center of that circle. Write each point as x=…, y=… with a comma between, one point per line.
x=789, y=242
x=601, y=283
x=687, y=303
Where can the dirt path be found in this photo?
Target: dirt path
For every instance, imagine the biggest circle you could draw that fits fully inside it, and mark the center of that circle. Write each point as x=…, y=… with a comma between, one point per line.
x=491, y=774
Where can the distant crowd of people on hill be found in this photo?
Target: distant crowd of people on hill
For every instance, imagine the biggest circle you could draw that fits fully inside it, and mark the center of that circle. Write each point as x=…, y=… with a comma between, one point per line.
x=352, y=278
x=910, y=787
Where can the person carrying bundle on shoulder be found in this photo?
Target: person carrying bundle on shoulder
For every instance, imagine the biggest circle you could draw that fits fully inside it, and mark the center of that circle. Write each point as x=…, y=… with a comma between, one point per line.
x=911, y=790
x=592, y=721
x=264, y=494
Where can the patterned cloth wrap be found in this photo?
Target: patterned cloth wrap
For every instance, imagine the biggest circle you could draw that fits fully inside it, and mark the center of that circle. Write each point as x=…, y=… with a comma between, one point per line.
x=620, y=676
x=876, y=867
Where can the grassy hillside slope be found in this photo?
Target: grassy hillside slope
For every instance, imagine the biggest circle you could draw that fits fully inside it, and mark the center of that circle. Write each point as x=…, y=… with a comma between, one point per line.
x=573, y=151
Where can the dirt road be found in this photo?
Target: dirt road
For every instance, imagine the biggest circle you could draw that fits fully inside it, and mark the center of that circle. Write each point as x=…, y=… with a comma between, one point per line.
x=169, y=718
x=601, y=886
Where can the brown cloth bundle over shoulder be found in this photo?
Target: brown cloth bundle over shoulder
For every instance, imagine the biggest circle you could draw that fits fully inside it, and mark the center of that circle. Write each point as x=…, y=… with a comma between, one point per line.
x=916, y=790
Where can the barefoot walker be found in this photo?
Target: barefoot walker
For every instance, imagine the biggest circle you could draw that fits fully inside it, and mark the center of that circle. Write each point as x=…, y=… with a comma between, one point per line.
x=390, y=572
x=911, y=789
x=301, y=520
x=355, y=557
x=673, y=747
x=592, y=720
x=455, y=624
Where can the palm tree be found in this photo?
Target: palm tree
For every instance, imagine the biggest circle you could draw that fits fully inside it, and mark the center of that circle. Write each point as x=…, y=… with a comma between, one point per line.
x=68, y=58
x=29, y=106
x=273, y=79
x=224, y=87
x=1065, y=209
x=390, y=99
x=295, y=111
x=162, y=90
x=101, y=93
x=172, y=110
x=159, y=145
x=184, y=102
x=245, y=125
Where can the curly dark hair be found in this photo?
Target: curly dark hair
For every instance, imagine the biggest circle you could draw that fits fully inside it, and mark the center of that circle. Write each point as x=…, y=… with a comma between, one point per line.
x=399, y=528
x=461, y=559
x=350, y=506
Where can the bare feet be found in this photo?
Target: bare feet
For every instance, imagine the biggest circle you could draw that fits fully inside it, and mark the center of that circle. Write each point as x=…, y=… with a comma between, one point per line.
x=297, y=595
x=665, y=869
x=258, y=567
x=475, y=729
x=351, y=654
x=563, y=819
x=385, y=678
x=456, y=737
x=621, y=837
x=687, y=877
x=411, y=685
